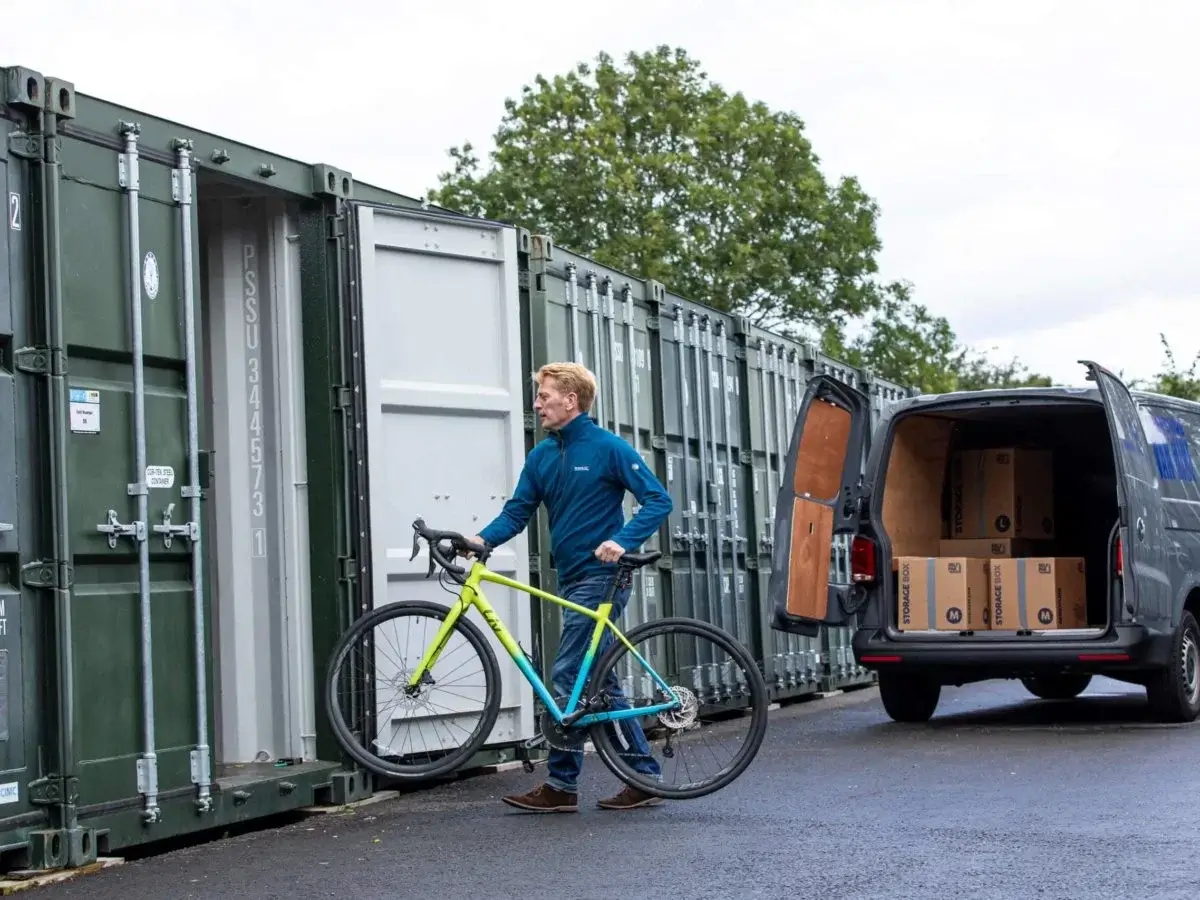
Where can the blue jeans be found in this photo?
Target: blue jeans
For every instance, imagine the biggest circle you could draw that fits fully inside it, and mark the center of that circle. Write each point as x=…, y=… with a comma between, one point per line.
x=564, y=765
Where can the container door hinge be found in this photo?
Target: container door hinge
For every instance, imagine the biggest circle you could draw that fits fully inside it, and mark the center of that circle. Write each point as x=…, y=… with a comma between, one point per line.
x=530, y=424
x=53, y=789
x=48, y=573
x=535, y=564
x=201, y=772
x=349, y=568
x=187, y=530
x=337, y=227
x=147, y=776
x=39, y=361
x=24, y=145
x=115, y=529
x=658, y=442
x=342, y=397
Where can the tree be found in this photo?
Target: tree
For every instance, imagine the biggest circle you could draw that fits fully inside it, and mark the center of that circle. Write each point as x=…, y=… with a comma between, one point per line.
x=656, y=170
x=653, y=169
x=903, y=342
x=1172, y=380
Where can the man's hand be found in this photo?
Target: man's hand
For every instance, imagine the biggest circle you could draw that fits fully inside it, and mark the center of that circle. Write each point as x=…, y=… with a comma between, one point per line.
x=609, y=551
x=476, y=539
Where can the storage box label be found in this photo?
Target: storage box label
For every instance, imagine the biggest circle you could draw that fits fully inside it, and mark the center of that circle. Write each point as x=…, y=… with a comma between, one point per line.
x=85, y=411
x=10, y=792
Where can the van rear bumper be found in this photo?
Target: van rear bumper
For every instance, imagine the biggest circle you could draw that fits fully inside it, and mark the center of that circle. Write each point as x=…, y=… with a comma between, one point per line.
x=1124, y=647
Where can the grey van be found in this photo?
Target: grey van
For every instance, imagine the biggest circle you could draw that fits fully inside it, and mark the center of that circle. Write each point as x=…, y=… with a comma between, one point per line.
x=1126, y=500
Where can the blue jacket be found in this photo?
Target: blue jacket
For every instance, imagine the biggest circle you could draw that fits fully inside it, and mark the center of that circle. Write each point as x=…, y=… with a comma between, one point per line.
x=582, y=473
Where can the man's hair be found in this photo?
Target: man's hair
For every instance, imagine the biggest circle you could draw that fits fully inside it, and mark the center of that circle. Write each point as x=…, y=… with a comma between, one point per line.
x=571, y=378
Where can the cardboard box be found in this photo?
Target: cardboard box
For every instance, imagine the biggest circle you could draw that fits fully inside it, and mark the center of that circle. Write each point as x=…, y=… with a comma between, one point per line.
x=1041, y=593
x=1003, y=492
x=989, y=548
x=942, y=593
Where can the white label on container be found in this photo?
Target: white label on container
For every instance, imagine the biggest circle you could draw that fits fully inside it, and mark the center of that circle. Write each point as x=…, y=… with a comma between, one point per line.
x=160, y=477
x=618, y=350
x=10, y=792
x=85, y=411
x=150, y=274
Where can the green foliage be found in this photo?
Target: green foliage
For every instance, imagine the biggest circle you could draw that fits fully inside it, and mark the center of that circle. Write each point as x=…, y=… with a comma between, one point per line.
x=905, y=343
x=1172, y=380
x=654, y=169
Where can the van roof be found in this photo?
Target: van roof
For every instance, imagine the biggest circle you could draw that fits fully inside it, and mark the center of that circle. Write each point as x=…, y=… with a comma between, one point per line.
x=1089, y=393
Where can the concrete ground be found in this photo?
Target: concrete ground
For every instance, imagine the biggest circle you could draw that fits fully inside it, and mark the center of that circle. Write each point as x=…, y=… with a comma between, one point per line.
x=1000, y=796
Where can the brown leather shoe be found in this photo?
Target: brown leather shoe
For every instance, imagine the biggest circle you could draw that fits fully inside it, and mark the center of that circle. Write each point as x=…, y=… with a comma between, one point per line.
x=629, y=798
x=544, y=799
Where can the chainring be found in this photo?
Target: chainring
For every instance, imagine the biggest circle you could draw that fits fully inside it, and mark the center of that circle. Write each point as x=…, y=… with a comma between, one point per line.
x=560, y=738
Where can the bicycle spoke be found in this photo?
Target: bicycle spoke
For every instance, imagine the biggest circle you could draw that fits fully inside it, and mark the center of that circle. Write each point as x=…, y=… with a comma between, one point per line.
x=405, y=730
x=710, y=738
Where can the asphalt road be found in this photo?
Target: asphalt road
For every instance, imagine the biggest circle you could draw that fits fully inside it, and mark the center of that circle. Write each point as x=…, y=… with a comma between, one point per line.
x=1001, y=796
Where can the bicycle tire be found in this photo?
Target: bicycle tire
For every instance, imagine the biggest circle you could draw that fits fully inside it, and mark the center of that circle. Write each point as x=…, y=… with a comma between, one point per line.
x=452, y=761
x=759, y=702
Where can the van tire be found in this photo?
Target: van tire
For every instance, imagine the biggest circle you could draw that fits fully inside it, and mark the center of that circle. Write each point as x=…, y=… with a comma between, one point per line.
x=1058, y=686
x=908, y=697
x=1174, y=692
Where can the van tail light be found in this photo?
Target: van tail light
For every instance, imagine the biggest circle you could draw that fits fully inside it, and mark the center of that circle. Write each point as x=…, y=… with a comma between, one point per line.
x=1120, y=558
x=862, y=560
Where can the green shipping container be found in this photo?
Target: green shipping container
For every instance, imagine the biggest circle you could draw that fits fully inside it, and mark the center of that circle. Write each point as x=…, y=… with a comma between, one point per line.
x=710, y=401
x=576, y=310
x=165, y=607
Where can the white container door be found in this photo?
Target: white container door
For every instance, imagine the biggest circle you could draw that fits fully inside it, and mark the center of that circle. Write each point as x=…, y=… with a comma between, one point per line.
x=442, y=362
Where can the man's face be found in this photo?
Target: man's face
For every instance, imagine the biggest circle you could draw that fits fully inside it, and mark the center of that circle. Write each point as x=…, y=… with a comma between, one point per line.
x=554, y=408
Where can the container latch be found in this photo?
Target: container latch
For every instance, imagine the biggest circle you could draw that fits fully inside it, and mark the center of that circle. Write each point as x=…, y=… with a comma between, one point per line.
x=114, y=529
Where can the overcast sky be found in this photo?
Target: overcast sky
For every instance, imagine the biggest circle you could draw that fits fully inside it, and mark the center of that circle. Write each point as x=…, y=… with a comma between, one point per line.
x=1036, y=162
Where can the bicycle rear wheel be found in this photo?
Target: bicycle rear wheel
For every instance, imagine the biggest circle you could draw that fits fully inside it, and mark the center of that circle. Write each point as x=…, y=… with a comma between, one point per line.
x=404, y=734
x=724, y=700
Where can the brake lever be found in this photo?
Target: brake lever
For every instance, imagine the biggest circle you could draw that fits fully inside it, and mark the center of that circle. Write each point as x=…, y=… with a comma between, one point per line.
x=416, y=545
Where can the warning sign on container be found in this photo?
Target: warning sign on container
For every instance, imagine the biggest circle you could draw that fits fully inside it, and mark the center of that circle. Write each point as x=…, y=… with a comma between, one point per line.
x=85, y=411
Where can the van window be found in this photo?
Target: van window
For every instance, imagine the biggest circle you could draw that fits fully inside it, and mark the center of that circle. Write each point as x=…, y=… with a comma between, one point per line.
x=1174, y=437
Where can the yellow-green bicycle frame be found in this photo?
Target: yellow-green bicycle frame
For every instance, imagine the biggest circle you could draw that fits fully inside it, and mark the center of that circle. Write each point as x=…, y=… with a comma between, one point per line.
x=472, y=596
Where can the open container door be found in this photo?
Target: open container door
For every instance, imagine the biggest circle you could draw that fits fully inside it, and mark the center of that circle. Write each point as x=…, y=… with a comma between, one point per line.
x=443, y=391
x=818, y=498
x=1143, y=539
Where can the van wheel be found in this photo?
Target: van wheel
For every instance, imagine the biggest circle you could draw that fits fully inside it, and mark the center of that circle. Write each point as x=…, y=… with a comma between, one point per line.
x=908, y=697
x=1058, y=686
x=1174, y=693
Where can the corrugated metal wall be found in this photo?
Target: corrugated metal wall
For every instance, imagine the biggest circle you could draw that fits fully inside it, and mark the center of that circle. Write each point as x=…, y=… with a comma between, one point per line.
x=710, y=401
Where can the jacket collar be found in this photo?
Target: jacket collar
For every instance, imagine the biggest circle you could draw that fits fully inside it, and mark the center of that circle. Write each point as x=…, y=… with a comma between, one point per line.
x=575, y=429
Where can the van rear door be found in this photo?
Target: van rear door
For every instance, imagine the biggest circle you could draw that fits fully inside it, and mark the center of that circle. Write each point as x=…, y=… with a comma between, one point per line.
x=819, y=497
x=1147, y=583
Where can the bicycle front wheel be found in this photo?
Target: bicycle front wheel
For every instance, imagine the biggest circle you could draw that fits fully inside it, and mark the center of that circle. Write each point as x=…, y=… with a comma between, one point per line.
x=398, y=732
x=705, y=744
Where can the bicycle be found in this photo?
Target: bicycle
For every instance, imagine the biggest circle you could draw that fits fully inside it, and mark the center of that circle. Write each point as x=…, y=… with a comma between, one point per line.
x=596, y=706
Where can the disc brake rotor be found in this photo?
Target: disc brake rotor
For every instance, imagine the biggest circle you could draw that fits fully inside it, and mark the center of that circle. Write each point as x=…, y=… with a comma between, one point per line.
x=685, y=716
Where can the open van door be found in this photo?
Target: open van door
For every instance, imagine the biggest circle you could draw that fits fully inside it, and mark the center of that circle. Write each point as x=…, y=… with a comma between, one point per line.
x=1146, y=581
x=818, y=498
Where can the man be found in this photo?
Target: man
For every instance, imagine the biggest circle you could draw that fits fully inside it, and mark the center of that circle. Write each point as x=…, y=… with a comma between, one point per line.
x=581, y=473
